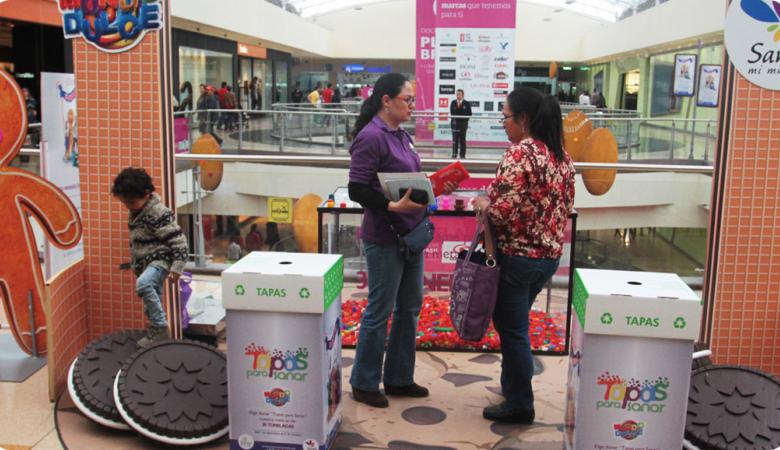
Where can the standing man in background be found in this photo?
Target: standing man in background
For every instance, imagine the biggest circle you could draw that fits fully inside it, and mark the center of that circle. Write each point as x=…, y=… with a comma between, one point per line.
x=459, y=107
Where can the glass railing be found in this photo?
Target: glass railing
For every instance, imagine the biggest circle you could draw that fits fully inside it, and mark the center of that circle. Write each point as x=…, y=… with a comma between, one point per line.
x=653, y=218
x=327, y=130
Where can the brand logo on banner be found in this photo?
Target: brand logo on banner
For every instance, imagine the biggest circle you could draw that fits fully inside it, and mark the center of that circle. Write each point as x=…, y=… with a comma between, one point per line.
x=444, y=102
x=277, y=397
x=277, y=364
x=447, y=74
x=648, y=396
x=446, y=89
x=501, y=76
x=629, y=430
x=752, y=36
x=450, y=250
x=112, y=26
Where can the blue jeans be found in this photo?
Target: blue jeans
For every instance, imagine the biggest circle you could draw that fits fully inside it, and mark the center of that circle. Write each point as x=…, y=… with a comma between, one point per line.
x=521, y=281
x=393, y=286
x=149, y=286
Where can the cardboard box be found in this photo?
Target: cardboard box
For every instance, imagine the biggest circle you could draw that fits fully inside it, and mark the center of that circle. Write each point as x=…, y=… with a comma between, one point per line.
x=630, y=360
x=284, y=350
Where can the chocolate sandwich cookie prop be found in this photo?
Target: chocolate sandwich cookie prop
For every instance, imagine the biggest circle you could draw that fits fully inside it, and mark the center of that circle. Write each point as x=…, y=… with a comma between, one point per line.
x=92, y=373
x=23, y=196
x=175, y=392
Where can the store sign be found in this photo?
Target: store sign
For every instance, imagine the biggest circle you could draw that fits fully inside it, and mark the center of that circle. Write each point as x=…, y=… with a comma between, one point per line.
x=280, y=210
x=354, y=68
x=252, y=51
x=111, y=26
x=752, y=36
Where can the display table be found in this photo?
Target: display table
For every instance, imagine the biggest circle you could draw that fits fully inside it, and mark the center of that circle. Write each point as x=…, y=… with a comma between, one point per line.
x=630, y=362
x=284, y=350
x=339, y=232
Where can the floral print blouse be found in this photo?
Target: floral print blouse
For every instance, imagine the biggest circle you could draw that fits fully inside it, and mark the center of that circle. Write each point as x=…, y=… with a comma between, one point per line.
x=530, y=201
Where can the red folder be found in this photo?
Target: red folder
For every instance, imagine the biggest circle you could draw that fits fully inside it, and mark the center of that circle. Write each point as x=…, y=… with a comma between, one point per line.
x=454, y=172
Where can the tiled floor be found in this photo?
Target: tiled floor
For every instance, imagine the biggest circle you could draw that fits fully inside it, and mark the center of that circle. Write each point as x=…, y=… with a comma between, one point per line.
x=461, y=385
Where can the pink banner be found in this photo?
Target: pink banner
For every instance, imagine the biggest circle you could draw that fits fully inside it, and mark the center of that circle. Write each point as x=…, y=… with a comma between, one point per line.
x=468, y=15
x=425, y=65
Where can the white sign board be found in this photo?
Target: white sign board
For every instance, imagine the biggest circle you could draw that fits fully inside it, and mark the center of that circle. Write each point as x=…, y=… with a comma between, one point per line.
x=59, y=155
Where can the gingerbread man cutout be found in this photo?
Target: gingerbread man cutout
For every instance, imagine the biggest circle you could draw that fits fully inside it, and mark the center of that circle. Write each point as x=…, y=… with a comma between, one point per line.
x=24, y=195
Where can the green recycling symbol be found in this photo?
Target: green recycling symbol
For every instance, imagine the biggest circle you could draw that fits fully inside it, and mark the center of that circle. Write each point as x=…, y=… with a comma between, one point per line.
x=303, y=293
x=679, y=323
x=606, y=318
x=240, y=289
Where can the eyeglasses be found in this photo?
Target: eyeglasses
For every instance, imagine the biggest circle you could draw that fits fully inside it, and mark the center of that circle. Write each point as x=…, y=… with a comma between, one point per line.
x=505, y=118
x=409, y=99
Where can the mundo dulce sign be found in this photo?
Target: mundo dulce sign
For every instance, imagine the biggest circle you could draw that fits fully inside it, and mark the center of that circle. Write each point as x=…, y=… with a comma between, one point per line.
x=112, y=26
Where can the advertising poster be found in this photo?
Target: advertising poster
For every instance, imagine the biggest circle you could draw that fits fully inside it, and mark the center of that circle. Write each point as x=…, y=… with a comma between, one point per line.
x=60, y=155
x=468, y=45
x=684, y=75
x=709, y=85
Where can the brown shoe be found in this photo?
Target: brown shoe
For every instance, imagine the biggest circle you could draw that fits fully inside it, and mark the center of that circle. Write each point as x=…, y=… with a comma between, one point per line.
x=153, y=336
x=370, y=398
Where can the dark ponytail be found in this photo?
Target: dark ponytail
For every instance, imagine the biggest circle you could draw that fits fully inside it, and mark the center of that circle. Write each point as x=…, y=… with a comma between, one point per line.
x=389, y=84
x=544, y=117
x=547, y=126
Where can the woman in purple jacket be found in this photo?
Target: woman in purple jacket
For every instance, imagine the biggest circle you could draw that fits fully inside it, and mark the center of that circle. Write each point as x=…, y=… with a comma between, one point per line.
x=395, y=285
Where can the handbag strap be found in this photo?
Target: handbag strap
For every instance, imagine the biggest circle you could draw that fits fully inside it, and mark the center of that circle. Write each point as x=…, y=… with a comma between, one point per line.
x=490, y=240
x=483, y=227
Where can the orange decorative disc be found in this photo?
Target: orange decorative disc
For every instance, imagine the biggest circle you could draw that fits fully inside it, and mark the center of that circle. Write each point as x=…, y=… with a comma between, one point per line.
x=210, y=171
x=601, y=147
x=305, y=222
x=576, y=129
x=553, y=69
x=13, y=118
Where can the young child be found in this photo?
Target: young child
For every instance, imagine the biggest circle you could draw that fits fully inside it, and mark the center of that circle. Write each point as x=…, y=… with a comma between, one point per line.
x=157, y=245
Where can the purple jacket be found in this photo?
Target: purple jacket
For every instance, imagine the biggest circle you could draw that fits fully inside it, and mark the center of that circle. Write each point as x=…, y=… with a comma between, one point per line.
x=376, y=149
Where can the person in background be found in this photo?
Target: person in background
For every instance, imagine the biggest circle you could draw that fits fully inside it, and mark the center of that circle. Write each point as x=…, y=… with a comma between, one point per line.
x=337, y=96
x=459, y=107
x=297, y=93
x=206, y=102
x=395, y=284
x=595, y=98
x=253, y=93
x=254, y=240
x=584, y=98
x=259, y=94
x=230, y=102
x=315, y=99
x=223, y=116
x=528, y=205
x=233, y=251
x=315, y=96
x=31, y=105
x=157, y=245
x=185, y=97
x=327, y=94
x=561, y=95
x=271, y=235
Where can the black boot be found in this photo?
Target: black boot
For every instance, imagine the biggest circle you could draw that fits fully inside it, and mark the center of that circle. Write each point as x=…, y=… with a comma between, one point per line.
x=370, y=398
x=411, y=390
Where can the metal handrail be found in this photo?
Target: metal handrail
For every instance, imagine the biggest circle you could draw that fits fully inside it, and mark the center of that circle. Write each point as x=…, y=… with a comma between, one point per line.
x=470, y=164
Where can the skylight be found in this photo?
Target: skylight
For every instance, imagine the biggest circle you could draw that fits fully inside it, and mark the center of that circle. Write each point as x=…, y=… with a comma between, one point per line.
x=605, y=10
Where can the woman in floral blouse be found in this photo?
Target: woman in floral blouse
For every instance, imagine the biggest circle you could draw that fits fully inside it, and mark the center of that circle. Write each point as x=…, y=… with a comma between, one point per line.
x=528, y=205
